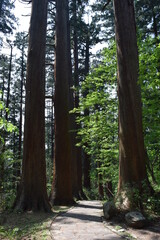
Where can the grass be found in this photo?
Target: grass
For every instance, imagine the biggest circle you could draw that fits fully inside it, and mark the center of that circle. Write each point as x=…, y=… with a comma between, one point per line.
x=28, y=226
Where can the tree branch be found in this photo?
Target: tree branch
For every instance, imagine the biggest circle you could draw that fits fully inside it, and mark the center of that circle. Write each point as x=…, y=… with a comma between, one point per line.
x=25, y=1
x=106, y=5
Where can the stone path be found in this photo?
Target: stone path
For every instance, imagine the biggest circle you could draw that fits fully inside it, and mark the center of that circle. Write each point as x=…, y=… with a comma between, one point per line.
x=82, y=222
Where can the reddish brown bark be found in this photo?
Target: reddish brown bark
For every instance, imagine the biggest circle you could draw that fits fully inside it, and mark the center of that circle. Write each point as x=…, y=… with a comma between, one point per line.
x=62, y=182
x=32, y=194
x=132, y=166
x=87, y=168
x=77, y=165
x=108, y=189
x=72, y=116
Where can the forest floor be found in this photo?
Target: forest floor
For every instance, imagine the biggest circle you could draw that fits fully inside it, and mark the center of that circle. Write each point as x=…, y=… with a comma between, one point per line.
x=83, y=221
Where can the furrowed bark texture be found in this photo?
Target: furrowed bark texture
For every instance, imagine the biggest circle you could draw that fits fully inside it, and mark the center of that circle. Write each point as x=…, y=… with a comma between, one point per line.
x=132, y=170
x=33, y=194
x=62, y=183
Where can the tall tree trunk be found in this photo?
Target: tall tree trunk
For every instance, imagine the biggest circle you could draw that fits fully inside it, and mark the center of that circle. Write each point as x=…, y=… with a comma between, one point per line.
x=18, y=165
x=2, y=93
x=52, y=127
x=1, y=149
x=3, y=77
x=62, y=182
x=132, y=165
x=77, y=171
x=1, y=169
x=155, y=28
x=32, y=194
x=9, y=80
x=72, y=121
x=1, y=5
x=87, y=183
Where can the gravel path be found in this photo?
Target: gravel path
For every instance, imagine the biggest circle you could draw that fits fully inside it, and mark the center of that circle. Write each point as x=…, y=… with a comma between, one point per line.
x=82, y=222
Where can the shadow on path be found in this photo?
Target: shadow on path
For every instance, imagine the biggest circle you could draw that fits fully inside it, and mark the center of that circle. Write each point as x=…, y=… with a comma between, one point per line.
x=82, y=222
x=88, y=206
x=79, y=216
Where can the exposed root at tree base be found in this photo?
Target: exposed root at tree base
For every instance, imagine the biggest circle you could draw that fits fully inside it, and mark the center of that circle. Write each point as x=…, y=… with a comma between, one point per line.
x=36, y=205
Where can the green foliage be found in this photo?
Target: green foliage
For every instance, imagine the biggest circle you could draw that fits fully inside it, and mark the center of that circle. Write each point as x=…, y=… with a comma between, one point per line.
x=148, y=17
x=99, y=132
x=149, y=77
x=91, y=194
x=8, y=180
x=7, y=18
x=4, y=124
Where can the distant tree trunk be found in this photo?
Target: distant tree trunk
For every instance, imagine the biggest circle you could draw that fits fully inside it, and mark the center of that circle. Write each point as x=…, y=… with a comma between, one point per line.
x=21, y=105
x=62, y=182
x=150, y=168
x=100, y=184
x=87, y=183
x=52, y=127
x=132, y=165
x=3, y=71
x=86, y=171
x=9, y=80
x=1, y=5
x=109, y=190
x=77, y=157
x=77, y=180
x=18, y=165
x=1, y=169
x=3, y=145
x=155, y=28
x=32, y=193
x=14, y=141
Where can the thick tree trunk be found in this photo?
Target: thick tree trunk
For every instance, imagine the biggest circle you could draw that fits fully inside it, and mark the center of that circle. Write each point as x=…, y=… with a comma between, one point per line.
x=32, y=194
x=62, y=182
x=132, y=165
